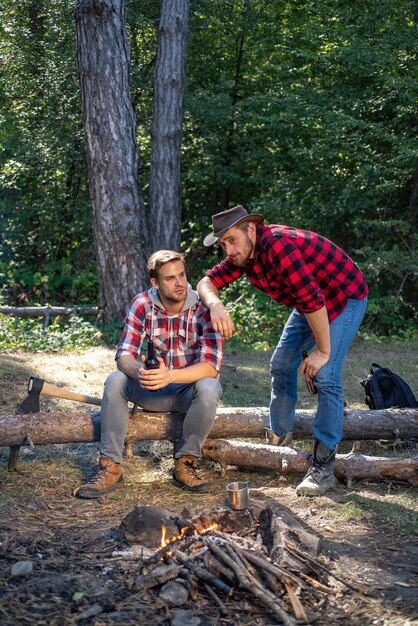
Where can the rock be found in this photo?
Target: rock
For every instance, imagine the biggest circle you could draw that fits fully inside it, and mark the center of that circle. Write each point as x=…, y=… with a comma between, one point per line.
x=92, y=611
x=144, y=524
x=182, y=617
x=22, y=568
x=174, y=593
x=158, y=576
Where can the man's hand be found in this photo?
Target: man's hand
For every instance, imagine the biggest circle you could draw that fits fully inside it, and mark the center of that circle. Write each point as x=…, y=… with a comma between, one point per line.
x=312, y=364
x=221, y=320
x=155, y=379
x=220, y=317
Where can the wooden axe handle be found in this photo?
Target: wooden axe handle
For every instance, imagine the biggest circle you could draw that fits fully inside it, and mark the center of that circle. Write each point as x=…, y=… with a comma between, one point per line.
x=57, y=392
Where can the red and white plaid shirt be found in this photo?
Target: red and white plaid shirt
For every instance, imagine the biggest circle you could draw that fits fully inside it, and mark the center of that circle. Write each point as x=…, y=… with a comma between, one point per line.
x=183, y=339
x=299, y=269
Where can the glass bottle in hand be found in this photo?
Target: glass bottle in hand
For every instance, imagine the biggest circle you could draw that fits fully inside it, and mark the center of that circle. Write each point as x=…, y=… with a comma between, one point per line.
x=151, y=362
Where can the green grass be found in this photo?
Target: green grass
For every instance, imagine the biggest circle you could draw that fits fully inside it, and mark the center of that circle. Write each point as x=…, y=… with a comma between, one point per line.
x=392, y=512
x=245, y=374
x=397, y=511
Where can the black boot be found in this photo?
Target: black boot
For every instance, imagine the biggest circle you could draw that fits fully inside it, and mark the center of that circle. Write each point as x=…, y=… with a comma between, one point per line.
x=320, y=476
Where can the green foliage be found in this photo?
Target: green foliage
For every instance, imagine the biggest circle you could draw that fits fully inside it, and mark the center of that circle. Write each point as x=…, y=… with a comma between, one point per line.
x=258, y=320
x=303, y=111
x=307, y=113
x=73, y=334
x=389, y=316
x=111, y=333
x=46, y=247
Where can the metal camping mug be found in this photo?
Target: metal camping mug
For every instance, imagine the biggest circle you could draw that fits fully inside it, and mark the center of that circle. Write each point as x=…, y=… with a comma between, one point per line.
x=239, y=495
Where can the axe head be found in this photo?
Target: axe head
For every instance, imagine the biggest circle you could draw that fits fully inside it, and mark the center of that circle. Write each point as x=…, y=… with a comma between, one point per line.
x=31, y=403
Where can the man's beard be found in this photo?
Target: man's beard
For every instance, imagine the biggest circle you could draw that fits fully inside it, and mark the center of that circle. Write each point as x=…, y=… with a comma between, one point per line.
x=174, y=298
x=243, y=258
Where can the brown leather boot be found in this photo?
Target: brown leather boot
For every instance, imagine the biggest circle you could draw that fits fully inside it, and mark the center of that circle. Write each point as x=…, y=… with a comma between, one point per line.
x=186, y=477
x=107, y=478
x=273, y=440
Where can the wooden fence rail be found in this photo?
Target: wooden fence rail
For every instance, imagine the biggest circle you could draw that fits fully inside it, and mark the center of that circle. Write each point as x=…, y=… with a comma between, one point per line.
x=47, y=311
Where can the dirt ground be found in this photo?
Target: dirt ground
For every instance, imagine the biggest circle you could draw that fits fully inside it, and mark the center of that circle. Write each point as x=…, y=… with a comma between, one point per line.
x=369, y=532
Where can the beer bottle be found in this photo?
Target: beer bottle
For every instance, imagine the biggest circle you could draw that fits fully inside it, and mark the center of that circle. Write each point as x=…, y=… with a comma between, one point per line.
x=310, y=385
x=151, y=362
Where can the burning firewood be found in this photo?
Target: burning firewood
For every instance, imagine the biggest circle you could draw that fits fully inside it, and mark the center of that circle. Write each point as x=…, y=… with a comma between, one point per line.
x=289, y=582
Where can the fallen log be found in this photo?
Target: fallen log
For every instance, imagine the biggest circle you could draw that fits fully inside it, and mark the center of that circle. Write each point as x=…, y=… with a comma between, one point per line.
x=42, y=311
x=350, y=466
x=47, y=311
x=231, y=422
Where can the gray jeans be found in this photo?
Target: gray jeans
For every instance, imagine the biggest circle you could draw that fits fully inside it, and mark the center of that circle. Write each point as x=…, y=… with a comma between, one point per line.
x=197, y=400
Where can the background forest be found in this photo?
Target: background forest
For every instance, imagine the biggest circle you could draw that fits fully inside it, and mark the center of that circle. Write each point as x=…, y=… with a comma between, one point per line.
x=304, y=111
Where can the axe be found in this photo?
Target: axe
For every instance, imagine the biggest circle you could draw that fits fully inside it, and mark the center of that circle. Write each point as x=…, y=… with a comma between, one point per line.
x=36, y=386
x=30, y=404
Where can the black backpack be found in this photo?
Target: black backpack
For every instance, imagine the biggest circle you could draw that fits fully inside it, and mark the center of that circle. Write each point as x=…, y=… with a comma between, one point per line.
x=384, y=389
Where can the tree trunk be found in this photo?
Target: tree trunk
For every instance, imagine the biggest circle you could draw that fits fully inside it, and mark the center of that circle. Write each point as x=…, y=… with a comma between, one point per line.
x=166, y=131
x=110, y=130
x=242, y=423
x=255, y=456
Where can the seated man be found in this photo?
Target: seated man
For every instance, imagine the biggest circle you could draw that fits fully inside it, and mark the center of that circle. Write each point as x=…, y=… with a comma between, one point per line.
x=189, y=353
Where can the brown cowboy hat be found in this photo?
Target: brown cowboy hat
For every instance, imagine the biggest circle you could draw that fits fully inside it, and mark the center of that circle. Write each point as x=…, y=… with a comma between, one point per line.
x=221, y=222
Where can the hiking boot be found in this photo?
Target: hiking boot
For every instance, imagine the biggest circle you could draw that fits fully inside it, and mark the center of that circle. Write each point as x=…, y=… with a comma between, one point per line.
x=107, y=478
x=185, y=475
x=274, y=440
x=320, y=476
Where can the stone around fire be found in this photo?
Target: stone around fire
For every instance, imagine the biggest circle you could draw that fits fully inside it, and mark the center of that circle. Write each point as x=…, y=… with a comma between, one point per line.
x=144, y=525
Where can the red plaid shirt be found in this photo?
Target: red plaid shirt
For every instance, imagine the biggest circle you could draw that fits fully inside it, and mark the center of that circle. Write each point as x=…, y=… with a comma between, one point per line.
x=180, y=340
x=299, y=269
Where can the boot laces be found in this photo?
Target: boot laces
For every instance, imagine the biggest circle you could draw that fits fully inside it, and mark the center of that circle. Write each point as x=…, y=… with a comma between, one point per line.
x=318, y=470
x=315, y=472
x=101, y=474
x=191, y=470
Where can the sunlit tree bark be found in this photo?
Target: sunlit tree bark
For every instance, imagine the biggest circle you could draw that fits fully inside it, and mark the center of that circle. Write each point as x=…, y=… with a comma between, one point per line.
x=110, y=130
x=166, y=132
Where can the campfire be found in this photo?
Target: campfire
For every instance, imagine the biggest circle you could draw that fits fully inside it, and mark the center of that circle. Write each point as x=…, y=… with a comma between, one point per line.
x=268, y=556
x=187, y=530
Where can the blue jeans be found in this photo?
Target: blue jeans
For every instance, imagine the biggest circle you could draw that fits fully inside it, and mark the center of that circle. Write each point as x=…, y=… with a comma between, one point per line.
x=286, y=360
x=197, y=400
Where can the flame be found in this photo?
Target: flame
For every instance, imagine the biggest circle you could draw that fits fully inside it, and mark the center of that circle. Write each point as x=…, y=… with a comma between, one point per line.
x=209, y=528
x=183, y=532
x=206, y=530
x=163, y=536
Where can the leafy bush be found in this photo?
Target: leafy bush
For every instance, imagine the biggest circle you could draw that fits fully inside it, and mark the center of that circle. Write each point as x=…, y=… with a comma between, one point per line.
x=389, y=316
x=257, y=318
x=73, y=333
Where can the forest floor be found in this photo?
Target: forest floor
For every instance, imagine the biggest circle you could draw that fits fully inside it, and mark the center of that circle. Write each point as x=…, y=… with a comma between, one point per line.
x=369, y=532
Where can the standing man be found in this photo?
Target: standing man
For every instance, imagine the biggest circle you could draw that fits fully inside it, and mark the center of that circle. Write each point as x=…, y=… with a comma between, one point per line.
x=189, y=353
x=328, y=295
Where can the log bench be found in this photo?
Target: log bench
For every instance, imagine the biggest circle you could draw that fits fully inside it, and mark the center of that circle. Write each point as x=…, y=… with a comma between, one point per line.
x=231, y=423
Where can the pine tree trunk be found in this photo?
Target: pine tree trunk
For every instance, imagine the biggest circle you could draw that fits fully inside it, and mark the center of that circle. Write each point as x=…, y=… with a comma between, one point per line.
x=230, y=422
x=166, y=131
x=110, y=130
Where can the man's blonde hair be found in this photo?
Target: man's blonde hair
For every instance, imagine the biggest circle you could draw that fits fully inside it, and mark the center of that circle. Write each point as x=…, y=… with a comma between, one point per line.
x=161, y=257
